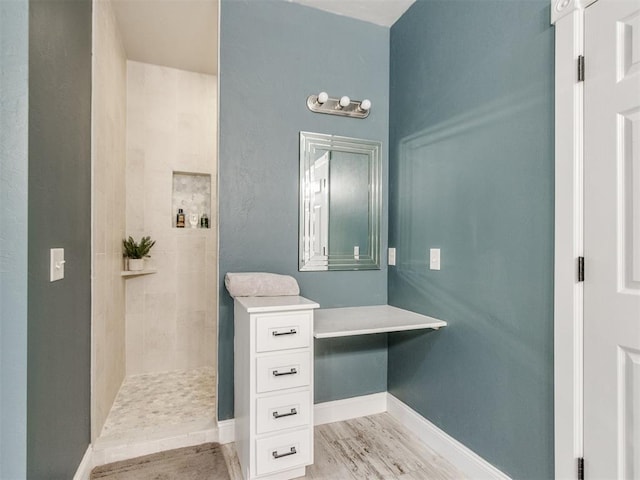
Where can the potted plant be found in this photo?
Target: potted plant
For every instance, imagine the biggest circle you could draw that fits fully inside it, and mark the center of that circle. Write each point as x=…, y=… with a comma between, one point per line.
x=136, y=252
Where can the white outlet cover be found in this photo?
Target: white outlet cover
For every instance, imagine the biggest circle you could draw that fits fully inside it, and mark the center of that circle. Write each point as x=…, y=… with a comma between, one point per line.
x=434, y=258
x=391, y=256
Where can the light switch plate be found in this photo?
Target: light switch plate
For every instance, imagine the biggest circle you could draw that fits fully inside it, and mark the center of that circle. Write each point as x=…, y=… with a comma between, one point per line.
x=356, y=252
x=56, y=267
x=434, y=258
x=391, y=256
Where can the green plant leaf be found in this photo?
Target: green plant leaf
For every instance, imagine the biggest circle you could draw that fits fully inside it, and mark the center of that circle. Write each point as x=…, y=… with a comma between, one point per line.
x=133, y=249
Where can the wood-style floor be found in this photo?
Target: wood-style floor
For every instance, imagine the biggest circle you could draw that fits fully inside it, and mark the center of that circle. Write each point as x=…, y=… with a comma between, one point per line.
x=373, y=447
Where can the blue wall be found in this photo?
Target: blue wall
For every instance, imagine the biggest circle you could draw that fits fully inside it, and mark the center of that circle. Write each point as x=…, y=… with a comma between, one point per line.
x=471, y=172
x=273, y=54
x=59, y=331
x=14, y=52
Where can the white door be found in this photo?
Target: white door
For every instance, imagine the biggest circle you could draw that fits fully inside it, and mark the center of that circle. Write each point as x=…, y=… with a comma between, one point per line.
x=612, y=240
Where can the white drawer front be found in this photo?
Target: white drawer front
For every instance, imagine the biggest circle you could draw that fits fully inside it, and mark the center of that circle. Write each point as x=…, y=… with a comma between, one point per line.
x=283, y=411
x=283, y=331
x=282, y=452
x=277, y=372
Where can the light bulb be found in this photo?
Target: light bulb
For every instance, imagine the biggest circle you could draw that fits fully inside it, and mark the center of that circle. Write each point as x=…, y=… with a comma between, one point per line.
x=365, y=105
x=323, y=97
x=345, y=101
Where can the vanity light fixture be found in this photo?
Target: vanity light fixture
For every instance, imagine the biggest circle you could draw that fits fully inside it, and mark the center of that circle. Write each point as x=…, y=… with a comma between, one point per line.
x=322, y=103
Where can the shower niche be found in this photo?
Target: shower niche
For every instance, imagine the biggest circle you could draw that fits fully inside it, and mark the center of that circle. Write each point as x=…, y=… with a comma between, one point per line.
x=191, y=192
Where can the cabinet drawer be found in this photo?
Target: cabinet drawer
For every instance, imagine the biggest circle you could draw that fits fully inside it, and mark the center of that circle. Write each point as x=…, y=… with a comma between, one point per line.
x=283, y=411
x=283, y=452
x=277, y=372
x=282, y=331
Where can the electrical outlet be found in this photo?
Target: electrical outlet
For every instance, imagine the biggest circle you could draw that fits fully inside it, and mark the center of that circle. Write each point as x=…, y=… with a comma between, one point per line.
x=391, y=256
x=434, y=258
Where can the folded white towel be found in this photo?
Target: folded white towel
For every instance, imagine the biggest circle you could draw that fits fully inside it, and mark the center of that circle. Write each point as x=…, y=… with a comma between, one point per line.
x=259, y=284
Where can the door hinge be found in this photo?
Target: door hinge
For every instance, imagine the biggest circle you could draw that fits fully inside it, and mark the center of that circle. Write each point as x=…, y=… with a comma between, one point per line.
x=581, y=468
x=581, y=269
x=581, y=68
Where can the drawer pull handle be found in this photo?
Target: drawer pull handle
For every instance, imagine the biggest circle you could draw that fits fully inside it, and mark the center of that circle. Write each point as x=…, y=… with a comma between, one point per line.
x=280, y=415
x=276, y=373
x=280, y=455
x=275, y=333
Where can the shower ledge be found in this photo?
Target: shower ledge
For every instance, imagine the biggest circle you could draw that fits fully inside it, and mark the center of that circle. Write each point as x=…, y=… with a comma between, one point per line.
x=347, y=321
x=136, y=273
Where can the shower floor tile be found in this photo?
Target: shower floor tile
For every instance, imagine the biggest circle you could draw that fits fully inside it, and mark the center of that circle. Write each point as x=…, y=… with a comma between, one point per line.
x=154, y=404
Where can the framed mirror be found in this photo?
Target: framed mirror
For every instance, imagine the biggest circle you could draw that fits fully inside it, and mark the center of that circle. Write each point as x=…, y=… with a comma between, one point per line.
x=340, y=203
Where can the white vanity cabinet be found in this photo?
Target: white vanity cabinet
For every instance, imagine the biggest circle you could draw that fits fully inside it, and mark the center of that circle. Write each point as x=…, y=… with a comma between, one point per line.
x=273, y=390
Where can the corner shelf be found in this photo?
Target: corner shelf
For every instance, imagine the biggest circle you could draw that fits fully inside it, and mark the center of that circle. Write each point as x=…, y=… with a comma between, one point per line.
x=137, y=273
x=347, y=321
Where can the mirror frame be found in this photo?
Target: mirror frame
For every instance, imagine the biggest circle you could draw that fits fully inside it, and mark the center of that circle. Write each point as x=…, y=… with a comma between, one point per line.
x=311, y=142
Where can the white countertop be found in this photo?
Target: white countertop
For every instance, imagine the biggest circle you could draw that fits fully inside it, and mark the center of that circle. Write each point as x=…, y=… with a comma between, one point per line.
x=273, y=304
x=347, y=321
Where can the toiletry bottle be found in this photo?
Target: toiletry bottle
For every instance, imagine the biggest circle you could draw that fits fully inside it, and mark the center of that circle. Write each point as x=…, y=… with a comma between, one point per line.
x=204, y=221
x=180, y=219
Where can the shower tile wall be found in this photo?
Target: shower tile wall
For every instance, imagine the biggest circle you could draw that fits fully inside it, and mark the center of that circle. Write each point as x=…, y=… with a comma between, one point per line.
x=171, y=127
x=108, y=212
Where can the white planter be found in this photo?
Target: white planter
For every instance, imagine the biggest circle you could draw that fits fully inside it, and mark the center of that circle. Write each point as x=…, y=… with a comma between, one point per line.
x=136, y=264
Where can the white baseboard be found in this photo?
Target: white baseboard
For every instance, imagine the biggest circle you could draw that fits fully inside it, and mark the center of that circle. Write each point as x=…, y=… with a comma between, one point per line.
x=464, y=459
x=86, y=465
x=327, y=412
x=340, y=410
x=226, y=431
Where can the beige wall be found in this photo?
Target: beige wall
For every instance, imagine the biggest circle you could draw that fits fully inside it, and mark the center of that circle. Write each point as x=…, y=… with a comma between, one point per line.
x=171, y=126
x=108, y=213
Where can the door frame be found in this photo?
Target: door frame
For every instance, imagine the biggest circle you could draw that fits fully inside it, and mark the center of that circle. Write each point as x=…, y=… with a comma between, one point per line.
x=568, y=18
